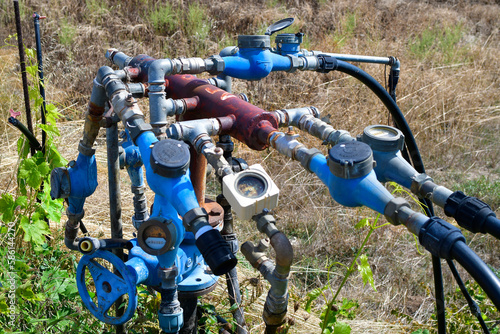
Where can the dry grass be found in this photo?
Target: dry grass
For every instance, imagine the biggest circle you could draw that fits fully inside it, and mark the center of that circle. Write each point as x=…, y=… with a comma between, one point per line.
x=450, y=95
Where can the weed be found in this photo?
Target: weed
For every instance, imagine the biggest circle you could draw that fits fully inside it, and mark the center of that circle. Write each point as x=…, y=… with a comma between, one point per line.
x=196, y=24
x=164, y=18
x=67, y=33
x=440, y=41
x=97, y=6
x=346, y=29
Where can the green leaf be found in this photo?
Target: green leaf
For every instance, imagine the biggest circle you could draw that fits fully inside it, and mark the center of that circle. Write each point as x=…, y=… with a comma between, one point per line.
x=3, y=307
x=32, y=70
x=28, y=170
x=342, y=328
x=365, y=271
x=362, y=223
x=23, y=147
x=21, y=201
x=25, y=292
x=50, y=129
x=55, y=158
x=53, y=208
x=44, y=169
x=7, y=206
x=312, y=296
x=34, y=232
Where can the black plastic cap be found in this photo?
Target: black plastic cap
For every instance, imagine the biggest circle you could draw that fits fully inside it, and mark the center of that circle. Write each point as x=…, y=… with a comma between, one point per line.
x=170, y=158
x=289, y=38
x=60, y=184
x=350, y=160
x=254, y=41
x=216, y=252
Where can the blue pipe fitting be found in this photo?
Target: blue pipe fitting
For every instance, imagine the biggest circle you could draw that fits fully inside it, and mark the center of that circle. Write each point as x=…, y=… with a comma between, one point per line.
x=171, y=322
x=386, y=143
x=288, y=44
x=83, y=181
x=364, y=190
x=131, y=159
x=255, y=63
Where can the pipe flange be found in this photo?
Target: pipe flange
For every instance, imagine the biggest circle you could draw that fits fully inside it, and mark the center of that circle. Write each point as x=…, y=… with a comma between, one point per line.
x=418, y=182
x=393, y=207
x=192, y=216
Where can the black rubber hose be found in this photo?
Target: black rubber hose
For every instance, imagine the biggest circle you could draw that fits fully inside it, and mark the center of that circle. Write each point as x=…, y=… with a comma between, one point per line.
x=31, y=138
x=493, y=226
x=478, y=270
x=391, y=105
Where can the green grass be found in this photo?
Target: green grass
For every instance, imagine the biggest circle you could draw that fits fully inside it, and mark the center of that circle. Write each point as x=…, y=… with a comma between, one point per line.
x=67, y=33
x=164, y=18
x=441, y=42
x=97, y=6
x=483, y=188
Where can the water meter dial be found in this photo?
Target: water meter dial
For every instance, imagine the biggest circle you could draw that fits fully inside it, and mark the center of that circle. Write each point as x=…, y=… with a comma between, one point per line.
x=157, y=236
x=250, y=191
x=383, y=138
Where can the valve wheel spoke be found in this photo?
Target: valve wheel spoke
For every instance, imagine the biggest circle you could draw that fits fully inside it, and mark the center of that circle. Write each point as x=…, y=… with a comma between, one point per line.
x=109, y=286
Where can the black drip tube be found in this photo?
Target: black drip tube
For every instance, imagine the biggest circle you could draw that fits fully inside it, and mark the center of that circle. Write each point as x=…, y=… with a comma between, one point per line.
x=391, y=105
x=478, y=270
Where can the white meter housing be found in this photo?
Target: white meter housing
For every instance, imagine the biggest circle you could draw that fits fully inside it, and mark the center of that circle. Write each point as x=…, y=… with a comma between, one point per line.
x=250, y=191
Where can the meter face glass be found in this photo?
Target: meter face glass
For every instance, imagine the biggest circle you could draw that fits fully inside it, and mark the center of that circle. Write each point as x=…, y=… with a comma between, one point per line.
x=155, y=237
x=251, y=186
x=383, y=133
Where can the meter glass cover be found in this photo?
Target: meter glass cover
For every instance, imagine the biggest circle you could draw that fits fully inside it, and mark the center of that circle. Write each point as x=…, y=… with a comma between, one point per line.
x=383, y=132
x=155, y=237
x=251, y=186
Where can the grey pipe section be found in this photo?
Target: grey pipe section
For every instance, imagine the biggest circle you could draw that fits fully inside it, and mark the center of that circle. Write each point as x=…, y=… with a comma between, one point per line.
x=222, y=81
x=190, y=131
x=118, y=58
x=307, y=119
x=287, y=145
x=197, y=133
x=437, y=194
x=88, y=245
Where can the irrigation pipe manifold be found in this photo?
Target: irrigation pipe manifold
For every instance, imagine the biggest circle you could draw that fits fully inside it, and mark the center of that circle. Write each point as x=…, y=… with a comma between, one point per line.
x=186, y=241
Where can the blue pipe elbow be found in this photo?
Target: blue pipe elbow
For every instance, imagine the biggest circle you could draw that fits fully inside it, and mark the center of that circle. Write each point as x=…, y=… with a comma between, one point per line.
x=362, y=191
x=178, y=190
x=83, y=180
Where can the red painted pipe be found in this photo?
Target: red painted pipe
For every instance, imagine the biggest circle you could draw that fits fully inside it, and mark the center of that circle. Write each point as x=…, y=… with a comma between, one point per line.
x=246, y=122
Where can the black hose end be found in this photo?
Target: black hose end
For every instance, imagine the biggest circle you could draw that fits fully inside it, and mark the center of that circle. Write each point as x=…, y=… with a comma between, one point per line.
x=327, y=63
x=471, y=213
x=439, y=236
x=216, y=252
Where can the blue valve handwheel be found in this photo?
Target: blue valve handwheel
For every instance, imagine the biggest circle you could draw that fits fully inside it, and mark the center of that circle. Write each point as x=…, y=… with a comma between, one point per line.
x=109, y=286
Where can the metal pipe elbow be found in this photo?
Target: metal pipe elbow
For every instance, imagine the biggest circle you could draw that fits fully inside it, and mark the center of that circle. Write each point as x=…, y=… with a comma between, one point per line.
x=293, y=116
x=284, y=253
x=158, y=70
